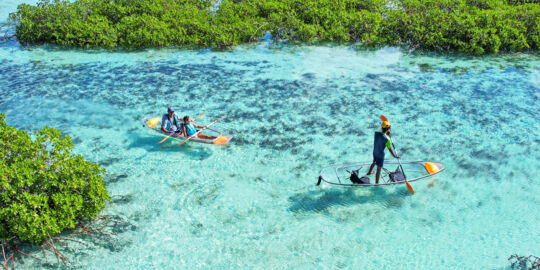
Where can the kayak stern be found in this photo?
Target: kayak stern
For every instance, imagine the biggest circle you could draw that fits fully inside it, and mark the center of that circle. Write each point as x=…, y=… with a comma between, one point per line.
x=222, y=140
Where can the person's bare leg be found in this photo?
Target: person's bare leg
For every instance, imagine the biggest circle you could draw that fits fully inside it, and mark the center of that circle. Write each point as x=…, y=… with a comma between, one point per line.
x=378, y=175
x=370, y=171
x=204, y=136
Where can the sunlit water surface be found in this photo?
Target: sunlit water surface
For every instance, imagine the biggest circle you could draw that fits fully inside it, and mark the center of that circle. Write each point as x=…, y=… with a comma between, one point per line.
x=292, y=110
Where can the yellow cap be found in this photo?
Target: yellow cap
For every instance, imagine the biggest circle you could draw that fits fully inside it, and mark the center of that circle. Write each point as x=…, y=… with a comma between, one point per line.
x=385, y=124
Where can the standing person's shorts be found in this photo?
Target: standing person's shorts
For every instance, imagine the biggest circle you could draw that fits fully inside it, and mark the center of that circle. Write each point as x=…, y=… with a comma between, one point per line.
x=379, y=161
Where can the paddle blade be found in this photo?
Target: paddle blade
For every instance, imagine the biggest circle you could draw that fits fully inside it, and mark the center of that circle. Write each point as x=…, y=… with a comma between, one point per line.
x=198, y=116
x=383, y=118
x=185, y=140
x=409, y=187
x=164, y=139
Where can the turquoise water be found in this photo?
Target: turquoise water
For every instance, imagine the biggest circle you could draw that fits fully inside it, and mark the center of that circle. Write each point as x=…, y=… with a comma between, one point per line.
x=292, y=110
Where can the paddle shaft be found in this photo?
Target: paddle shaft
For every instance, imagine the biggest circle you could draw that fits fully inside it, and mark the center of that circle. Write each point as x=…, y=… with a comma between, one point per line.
x=207, y=126
x=399, y=159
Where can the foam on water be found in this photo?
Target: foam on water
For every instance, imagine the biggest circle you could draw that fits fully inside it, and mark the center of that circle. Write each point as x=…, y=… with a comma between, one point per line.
x=293, y=110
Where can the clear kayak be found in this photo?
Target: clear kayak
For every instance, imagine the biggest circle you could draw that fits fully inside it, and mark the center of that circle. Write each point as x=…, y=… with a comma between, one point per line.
x=413, y=170
x=217, y=137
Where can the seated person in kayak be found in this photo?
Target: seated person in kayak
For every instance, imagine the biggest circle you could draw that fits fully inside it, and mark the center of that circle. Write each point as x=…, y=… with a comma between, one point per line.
x=381, y=141
x=170, y=122
x=188, y=129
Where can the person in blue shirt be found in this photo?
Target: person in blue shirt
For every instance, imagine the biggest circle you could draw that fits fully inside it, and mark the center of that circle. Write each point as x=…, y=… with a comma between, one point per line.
x=189, y=128
x=170, y=123
x=381, y=141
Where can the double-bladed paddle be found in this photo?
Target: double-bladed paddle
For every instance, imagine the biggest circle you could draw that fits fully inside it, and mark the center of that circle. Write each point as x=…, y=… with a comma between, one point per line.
x=172, y=134
x=195, y=134
x=409, y=187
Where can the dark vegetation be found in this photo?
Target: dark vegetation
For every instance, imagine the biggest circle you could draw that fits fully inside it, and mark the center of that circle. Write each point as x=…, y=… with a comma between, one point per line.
x=530, y=262
x=44, y=188
x=470, y=26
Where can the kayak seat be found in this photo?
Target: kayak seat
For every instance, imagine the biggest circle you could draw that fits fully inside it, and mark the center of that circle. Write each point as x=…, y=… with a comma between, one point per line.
x=358, y=180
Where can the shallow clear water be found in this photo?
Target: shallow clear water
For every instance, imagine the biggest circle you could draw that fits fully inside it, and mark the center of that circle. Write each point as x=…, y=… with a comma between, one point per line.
x=293, y=110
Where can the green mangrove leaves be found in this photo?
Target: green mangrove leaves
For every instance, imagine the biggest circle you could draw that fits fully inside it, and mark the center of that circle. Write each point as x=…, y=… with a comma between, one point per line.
x=44, y=188
x=470, y=26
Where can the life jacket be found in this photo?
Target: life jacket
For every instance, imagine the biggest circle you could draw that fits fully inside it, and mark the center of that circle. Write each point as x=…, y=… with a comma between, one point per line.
x=190, y=129
x=175, y=121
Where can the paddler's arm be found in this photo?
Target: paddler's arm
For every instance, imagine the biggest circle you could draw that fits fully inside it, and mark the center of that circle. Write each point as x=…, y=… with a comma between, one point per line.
x=389, y=146
x=183, y=132
x=164, y=124
x=165, y=130
x=198, y=126
x=392, y=152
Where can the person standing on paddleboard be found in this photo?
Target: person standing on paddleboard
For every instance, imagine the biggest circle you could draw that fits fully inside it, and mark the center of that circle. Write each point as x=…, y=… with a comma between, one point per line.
x=381, y=141
x=169, y=122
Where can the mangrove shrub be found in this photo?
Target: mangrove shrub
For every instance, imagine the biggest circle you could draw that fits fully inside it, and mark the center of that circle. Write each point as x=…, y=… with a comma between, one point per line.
x=44, y=188
x=471, y=26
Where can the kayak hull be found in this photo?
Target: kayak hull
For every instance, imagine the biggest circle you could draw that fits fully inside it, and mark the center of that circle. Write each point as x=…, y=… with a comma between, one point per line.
x=218, y=136
x=414, y=170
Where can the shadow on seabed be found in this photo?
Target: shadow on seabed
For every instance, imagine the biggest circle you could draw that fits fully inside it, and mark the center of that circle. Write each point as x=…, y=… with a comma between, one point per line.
x=317, y=199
